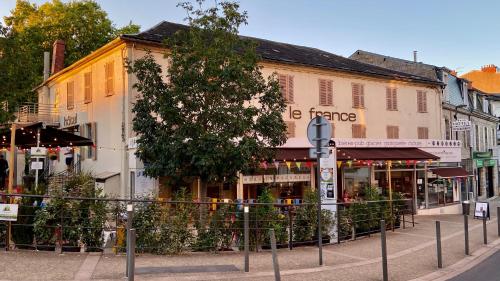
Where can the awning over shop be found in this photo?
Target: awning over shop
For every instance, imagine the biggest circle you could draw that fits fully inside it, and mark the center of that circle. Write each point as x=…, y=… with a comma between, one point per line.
x=26, y=137
x=299, y=154
x=452, y=172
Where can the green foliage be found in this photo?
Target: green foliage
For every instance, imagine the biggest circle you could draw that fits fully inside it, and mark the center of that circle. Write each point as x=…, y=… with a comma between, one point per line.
x=217, y=115
x=31, y=29
x=215, y=233
x=81, y=220
x=163, y=229
x=306, y=219
x=22, y=230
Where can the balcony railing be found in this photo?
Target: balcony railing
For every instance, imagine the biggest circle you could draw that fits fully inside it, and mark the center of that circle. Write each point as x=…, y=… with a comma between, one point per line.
x=34, y=112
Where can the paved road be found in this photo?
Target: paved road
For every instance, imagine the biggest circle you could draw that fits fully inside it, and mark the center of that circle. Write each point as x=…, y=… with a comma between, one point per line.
x=488, y=270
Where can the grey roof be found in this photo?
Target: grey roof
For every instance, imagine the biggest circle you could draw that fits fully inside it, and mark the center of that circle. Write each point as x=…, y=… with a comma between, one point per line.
x=407, y=66
x=288, y=53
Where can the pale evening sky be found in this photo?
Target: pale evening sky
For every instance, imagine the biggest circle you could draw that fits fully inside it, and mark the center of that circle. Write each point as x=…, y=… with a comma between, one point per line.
x=458, y=34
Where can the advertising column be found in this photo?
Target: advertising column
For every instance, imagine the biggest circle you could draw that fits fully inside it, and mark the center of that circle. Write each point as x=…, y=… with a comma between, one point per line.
x=328, y=172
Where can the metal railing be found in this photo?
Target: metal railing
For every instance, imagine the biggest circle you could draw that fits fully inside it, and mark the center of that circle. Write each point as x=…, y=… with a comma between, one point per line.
x=35, y=112
x=169, y=227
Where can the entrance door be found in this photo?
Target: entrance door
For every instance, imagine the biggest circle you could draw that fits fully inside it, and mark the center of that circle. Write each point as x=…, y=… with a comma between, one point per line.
x=489, y=182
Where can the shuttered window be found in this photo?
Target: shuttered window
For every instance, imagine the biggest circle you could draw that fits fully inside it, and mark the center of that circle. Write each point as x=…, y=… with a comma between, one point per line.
x=70, y=95
x=421, y=101
x=392, y=132
x=325, y=92
x=423, y=133
x=87, y=77
x=358, y=131
x=392, y=99
x=290, y=129
x=333, y=129
x=286, y=87
x=358, y=95
x=109, y=71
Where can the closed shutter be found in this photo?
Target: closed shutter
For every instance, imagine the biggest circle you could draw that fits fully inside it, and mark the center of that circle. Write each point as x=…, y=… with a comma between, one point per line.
x=322, y=92
x=94, y=139
x=290, y=129
x=282, y=79
x=333, y=129
x=388, y=97
x=423, y=133
x=422, y=101
x=392, y=132
x=88, y=87
x=83, y=149
x=290, y=88
x=70, y=95
x=358, y=131
x=325, y=92
x=109, y=78
x=358, y=99
x=394, y=99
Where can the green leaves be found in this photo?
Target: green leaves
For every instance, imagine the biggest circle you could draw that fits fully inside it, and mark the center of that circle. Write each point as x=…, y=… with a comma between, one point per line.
x=217, y=115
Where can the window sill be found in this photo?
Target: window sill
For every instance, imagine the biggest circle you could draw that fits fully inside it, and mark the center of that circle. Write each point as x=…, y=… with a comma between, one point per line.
x=359, y=107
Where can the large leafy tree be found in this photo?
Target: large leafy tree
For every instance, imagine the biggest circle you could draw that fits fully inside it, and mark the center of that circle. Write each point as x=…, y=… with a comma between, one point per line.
x=31, y=29
x=212, y=113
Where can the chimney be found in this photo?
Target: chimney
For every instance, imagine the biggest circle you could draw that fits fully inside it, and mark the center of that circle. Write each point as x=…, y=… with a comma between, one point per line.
x=414, y=56
x=46, y=65
x=58, y=56
x=490, y=68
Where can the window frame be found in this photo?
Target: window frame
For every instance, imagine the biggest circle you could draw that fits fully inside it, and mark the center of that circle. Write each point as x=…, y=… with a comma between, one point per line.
x=360, y=94
x=391, y=97
x=70, y=106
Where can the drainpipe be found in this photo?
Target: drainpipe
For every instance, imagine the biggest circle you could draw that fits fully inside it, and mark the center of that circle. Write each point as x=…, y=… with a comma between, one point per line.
x=124, y=146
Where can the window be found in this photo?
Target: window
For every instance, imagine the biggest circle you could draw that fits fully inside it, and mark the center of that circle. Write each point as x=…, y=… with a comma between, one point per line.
x=286, y=87
x=423, y=133
x=476, y=132
x=333, y=129
x=421, y=101
x=392, y=99
x=109, y=78
x=392, y=132
x=70, y=95
x=447, y=128
x=290, y=129
x=87, y=77
x=325, y=92
x=485, y=141
x=358, y=131
x=358, y=95
x=89, y=131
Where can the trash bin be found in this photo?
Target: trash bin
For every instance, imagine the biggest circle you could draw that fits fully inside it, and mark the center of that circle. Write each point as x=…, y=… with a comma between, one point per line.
x=465, y=207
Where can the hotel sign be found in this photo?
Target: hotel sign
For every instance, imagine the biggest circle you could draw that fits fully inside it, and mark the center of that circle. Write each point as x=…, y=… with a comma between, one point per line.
x=461, y=125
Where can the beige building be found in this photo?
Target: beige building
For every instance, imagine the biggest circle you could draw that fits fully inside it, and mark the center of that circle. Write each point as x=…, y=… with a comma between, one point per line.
x=94, y=97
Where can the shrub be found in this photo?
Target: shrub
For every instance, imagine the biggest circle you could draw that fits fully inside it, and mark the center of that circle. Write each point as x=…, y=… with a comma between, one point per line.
x=306, y=219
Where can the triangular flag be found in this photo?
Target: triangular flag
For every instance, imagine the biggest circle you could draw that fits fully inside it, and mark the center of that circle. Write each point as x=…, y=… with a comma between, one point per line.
x=339, y=163
x=288, y=164
x=276, y=164
x=298, y=164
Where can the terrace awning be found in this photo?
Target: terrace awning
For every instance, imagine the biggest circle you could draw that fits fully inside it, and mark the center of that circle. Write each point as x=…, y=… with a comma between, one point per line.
x=451, y=172
x=302, y=154
x=26, y=137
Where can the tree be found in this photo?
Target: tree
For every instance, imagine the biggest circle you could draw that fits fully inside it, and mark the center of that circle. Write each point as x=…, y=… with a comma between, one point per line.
x=216, y=115
x=30, y=30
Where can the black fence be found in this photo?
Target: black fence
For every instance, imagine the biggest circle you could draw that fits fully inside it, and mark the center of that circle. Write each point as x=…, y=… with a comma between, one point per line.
x=170, y=227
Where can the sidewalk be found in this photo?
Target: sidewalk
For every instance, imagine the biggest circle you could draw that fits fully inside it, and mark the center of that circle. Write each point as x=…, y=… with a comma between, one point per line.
x=412, y=254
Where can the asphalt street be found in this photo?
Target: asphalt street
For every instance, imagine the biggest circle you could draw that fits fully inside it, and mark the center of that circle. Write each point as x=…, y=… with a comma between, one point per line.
x=488, y=270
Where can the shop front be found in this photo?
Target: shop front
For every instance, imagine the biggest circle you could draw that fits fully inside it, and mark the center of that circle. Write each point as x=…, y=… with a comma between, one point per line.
x=486, y=167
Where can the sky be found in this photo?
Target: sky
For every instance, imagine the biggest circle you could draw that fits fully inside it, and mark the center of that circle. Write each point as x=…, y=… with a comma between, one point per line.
x=460, y=34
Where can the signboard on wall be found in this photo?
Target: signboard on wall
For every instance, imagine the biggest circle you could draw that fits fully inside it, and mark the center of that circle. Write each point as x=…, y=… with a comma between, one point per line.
x=461, y=125
x=479, y=208
x=8, y=212
x=445, y=154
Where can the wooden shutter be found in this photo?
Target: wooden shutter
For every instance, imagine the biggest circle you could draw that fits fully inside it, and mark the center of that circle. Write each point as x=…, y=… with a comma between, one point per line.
x=392, y=132
x=423, y=133
x=388, y=98
x=394, y=99
x=83, y=149
x=358, y=96
x=333, y=129
x=424, y=101
x=358, y=131
x=70, y=95
x=283, y=81
x=290, y=89
x=94, y=139
x=88, y=87
x=322, y=92
x=329, y=92
x=290, y=129
x=109, y=78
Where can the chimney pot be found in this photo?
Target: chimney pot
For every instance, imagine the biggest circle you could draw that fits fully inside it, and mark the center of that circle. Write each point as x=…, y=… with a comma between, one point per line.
x=58, y=56
x=414, y=56
x=489, y=68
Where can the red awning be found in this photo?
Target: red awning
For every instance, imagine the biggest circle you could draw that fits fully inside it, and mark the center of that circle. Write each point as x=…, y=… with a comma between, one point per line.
x=452, y=172
x=298, y=154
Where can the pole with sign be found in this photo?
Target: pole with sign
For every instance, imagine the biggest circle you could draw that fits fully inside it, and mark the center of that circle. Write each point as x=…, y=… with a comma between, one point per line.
x=319, y=132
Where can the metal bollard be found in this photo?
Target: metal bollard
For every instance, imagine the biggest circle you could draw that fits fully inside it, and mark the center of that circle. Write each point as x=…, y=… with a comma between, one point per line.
x=498, y=220
x=246, y=238
x=131, y=256
x=466, y=234
x=384, y=250
x=485, y=233
x=276, y=265
x=290, y=223
x=130, y=217
x=438, y=244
